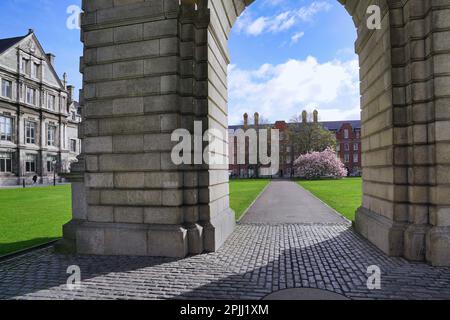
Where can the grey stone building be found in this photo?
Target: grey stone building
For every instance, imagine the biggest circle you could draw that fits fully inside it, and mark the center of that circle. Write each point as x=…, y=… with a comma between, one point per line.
x=38, y=116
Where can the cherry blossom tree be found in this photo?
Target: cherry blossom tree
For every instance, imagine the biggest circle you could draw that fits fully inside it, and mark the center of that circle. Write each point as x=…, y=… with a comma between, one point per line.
x=316, y=165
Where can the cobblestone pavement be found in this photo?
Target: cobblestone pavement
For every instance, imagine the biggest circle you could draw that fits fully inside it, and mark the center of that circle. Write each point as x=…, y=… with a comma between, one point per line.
x=255, y=261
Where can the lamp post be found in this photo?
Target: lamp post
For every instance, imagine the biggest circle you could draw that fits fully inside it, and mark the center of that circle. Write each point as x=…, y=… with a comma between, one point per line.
x=54, y=162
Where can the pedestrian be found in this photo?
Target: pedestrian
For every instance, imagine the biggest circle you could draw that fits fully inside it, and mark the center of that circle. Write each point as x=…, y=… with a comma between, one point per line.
x=35, y=179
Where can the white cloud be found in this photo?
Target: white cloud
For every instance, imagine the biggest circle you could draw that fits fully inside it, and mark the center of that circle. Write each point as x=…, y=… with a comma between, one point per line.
x=280, y=91
x=280, y=22
x=297, y=36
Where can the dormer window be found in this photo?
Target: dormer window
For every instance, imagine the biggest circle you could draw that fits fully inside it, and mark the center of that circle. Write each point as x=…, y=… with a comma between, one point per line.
x=35, y=70
x=24, y=66
x=346, y=134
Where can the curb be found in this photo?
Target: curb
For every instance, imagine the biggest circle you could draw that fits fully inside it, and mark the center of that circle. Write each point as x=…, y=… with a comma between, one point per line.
x=22, y=252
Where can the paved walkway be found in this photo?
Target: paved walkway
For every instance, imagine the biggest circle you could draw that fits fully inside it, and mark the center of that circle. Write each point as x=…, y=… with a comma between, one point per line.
x=286, y=202
x=257, y=260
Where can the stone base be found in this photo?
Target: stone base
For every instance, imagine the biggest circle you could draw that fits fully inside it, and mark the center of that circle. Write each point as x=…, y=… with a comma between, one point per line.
x=438, y=246
x=414, y=242
x=175, y=241
x=218, y=230
x=383, y=233
x=124, y=239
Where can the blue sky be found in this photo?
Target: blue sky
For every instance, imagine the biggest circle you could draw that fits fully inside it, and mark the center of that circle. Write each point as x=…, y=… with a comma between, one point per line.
x=48, y=20
x=287, y=55
x=290, y=55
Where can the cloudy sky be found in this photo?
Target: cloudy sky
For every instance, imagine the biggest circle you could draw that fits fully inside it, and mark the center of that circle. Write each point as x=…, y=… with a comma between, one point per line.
x=290, y=55
x=287, y=55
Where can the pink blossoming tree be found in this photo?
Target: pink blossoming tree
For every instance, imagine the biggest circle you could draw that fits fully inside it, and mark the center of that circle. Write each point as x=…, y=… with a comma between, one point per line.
x=316, y=165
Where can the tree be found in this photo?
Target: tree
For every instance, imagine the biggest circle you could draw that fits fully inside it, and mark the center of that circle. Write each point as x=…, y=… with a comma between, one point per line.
x=310, y=136
x=316, y=165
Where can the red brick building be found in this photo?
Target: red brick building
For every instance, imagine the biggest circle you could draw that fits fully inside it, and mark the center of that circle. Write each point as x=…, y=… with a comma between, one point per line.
x=348, y=136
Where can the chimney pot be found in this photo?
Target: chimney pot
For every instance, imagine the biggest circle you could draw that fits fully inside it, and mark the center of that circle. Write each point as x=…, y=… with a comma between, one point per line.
x=316, y=116
x=245, y=120
x=304, y=116
x=256, y=119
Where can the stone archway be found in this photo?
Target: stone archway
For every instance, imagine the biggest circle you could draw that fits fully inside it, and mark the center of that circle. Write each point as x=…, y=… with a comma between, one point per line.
x=155, y=66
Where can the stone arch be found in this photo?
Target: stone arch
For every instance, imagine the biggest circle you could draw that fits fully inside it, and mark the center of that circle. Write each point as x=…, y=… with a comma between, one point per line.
x=151, y=67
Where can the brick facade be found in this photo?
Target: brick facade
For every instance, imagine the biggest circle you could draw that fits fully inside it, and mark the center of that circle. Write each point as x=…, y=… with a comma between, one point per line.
x=347, y=133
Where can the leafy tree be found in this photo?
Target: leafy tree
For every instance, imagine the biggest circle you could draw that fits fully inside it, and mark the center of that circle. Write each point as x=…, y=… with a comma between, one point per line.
x=310, y=136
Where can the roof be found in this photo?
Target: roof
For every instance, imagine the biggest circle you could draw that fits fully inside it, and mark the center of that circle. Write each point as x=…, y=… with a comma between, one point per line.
x=329, y=125
x=7, y=43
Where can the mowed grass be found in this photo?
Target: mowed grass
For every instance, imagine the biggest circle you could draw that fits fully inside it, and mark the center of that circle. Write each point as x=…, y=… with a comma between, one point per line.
x=243, y=192
x=342, y=195
x=32, y=216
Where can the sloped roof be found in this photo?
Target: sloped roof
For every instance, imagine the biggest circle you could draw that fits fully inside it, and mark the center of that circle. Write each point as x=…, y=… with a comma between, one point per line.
x=7, y=43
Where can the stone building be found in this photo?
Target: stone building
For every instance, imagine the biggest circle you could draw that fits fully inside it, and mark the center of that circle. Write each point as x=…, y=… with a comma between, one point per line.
x=347, y=133
x=38, y=115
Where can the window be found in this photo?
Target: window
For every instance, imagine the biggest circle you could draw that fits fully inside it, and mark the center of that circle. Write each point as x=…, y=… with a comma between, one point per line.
x=74, y=116
x=30, y=132
x=5, y=162
x=347, y=147
x=355, y=157
x=346, y=134
x=51, y=163
x=338, y=147
x=24, y=66
x=346, y=158
x=51, y=134
x=30, y=163
x=6, y=129
x=358, y=134
x=34, y=70
x=7, y=88
x=356, y=146
x=73, y=145
x=51, y=102
x=31, y=96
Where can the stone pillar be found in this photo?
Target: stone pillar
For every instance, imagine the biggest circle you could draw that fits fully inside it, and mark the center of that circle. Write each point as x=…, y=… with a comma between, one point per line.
x=382, y=217
x=436, y=31
x=144, y=69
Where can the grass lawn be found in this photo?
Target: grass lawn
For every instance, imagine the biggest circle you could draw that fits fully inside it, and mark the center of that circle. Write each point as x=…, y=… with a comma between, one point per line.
x=342, y=195
x=32, y=216
x=243, y=192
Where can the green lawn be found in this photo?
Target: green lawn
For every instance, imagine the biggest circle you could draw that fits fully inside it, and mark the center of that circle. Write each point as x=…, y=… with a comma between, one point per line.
x=342, y=195
x=32, y=216
x=243, y=192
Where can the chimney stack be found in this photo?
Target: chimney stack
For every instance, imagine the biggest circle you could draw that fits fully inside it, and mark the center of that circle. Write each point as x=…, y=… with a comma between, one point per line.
x=316, y=116
x=245, y=120
x=304, y=116
x=70, y=91
x=51, y=59
x=256, y=119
